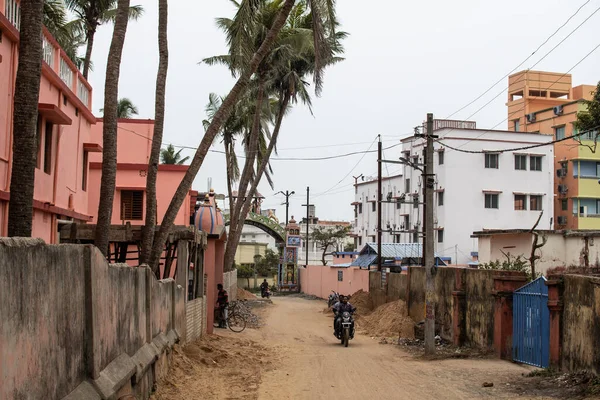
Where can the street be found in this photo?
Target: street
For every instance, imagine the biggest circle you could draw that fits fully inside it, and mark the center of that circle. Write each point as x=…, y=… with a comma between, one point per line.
x=295, y=356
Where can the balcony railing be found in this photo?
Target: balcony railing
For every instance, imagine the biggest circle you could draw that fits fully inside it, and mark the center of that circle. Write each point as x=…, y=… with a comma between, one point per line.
x=83, y=93
x=65, y=73
x=12, y=11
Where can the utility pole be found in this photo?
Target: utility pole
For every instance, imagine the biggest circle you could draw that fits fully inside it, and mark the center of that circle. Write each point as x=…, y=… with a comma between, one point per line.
x=424, y=236
x=287, y=195
x=307, y=205
x=428, y=247
x=379, y=198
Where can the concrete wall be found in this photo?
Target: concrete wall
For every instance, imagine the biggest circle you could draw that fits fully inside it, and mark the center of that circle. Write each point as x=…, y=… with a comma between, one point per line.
x=581, y=324
x=230, y=283
x=72, y=324
x=477, y=324
x=319, y=280
x=559, y=251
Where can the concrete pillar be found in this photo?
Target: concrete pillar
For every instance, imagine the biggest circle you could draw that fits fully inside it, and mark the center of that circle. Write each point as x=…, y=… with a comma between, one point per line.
x=459, y=308
x=504, y=286
x=555, y=305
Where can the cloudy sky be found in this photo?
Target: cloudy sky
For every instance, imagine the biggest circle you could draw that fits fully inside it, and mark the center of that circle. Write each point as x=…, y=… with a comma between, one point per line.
x=403, y=60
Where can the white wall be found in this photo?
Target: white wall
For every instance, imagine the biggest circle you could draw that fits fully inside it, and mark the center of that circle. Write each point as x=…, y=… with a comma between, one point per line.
x=464, y=179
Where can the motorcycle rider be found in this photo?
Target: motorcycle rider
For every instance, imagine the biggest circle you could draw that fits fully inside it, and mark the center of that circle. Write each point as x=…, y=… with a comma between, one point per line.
x=338, y=309
x=264, y=287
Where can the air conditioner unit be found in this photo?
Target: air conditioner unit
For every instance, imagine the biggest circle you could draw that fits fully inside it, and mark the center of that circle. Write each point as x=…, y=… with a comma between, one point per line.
x=530, y=117
x=558, y=110
x=562, y=220
x=562, y=189
x=561, y=172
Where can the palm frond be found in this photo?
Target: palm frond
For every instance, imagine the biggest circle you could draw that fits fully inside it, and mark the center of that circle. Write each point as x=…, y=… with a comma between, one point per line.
x=109, y=15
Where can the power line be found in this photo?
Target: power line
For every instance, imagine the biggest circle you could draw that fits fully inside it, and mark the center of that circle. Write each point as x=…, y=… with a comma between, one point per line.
x=525, y=60
x=533, y=146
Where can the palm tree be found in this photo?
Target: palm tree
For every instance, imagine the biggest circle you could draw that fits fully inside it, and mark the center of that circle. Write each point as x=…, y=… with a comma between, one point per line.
x=156, y=153
x=25, y=115
x=323, y=12
x=170, y=157
x=93, y=13
x=109, y=134
x=125, y=109
x=68, y=34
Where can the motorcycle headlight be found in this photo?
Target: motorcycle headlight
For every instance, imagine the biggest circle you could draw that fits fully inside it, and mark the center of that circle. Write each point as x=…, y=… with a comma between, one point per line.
x=346, y=316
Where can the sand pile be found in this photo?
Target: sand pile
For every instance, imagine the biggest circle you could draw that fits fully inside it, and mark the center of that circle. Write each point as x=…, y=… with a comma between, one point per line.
x=363, y=302
x=243, y=294
x=390, y=319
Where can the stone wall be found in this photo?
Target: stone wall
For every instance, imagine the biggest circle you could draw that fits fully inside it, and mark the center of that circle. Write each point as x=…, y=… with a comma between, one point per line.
x=75, y=327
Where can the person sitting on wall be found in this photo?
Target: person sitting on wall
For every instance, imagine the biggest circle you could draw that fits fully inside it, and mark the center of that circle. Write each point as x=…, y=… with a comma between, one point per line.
x=222, y=303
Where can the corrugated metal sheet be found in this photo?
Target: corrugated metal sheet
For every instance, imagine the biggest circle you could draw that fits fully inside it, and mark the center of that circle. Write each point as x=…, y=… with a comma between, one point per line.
x=399, y=250
x=364, y=260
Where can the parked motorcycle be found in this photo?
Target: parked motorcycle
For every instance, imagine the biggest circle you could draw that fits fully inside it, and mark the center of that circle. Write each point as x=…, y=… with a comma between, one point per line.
x=346, y=328
x=334, y=297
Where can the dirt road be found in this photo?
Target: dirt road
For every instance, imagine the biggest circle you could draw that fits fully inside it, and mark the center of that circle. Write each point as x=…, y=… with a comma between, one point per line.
x=312, y=364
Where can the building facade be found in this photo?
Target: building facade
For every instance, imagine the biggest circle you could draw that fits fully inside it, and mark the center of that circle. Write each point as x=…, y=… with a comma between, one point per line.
x=492, y=188
x=547, y=103
x=64, y=132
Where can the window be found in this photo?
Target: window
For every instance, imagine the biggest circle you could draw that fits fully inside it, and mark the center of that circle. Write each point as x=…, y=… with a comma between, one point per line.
x=535, y=163
x=415, y=160
x=517, y=125
x=407, y=186
x=48, y=148
x=39, y=142
x=359, y=241
x=340, y=276
x=415, y=201
x=360, y=208
x=564, y=204
x=132, y=203
x=440, y=198
x=440, y=157
x=84, y=176
x=520, y=162
x=406, y=222
x=491, y=200
x=396, y=238
x=559, y=132
x=415, y=237
x=491, y=160
x=398, y=204
x=440, y=235
x=374, y=206
x=520, y=202
x=535, y=203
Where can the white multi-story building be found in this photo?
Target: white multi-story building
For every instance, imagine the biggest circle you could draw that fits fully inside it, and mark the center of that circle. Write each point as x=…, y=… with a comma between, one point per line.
x=493, y=188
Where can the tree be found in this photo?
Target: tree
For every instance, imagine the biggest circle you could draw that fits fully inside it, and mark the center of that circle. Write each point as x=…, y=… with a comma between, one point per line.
x=536, y=245
x=323, y=12
x=126, y=110
x=328, y=237
x=246, y=272
x=159, y=118
x=589, y=120
x=349, y=247
x=267, y=265
x=93, y=13
x=171, y=157
x=109, y=134
x=25, y=119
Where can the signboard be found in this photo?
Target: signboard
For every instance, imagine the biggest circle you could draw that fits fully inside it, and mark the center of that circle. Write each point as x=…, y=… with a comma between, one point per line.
x=294, y=241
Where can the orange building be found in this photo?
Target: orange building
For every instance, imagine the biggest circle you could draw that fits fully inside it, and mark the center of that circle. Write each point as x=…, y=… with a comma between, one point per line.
x=547, y=103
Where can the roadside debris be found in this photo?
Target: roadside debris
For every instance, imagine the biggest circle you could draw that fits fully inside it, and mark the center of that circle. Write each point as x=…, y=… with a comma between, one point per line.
x=243, y=294
x=488, y=384
x=388, y=320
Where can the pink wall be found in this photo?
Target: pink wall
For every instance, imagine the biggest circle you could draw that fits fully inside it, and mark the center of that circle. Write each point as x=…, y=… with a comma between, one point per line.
x=319, y=281
x=58, y=194
x=343, y=258
x=134, y=140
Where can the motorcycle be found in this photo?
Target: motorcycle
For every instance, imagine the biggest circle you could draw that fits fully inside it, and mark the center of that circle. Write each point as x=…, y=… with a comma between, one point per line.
x=265, y=293
x=334, y=297
x=346, y=328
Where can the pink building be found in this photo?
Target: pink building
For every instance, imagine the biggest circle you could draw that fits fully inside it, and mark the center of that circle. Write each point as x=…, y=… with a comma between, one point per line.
x=134, y=143
x=64, y=129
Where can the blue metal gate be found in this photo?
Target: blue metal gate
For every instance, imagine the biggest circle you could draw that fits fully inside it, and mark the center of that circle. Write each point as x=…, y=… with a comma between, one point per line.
x=531, y=324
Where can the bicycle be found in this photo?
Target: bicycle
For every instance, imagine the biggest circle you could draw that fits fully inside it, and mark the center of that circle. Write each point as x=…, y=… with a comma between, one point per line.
x=235, y=319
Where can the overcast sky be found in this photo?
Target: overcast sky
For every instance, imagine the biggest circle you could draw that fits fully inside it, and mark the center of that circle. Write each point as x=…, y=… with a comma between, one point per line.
x=403, y=60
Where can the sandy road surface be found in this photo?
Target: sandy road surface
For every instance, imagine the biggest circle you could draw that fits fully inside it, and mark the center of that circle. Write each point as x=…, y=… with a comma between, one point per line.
x=311, y=364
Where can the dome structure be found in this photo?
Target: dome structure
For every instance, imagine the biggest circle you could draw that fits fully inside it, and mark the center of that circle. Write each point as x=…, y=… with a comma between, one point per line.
x=208, y=218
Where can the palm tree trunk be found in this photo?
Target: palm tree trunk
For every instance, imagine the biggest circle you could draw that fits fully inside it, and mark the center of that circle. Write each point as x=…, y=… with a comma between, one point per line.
x=88, y=51
x=233, y=239
x=25, y=115
x=159, y=117
x=229, y=161
x=218, y=120
x=109, y=134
